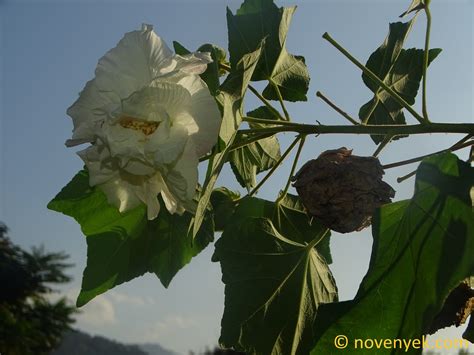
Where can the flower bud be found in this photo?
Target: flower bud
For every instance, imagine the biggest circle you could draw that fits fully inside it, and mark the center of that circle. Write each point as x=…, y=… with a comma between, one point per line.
x=342, y=190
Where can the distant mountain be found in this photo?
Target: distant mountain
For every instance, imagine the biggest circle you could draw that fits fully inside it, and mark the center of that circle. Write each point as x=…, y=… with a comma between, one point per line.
x=155, y=349
x=76, y=342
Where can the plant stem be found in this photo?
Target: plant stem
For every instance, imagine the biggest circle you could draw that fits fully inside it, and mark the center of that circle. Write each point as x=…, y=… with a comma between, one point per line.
x=365, y=120
x=382, y=145
x=250, y=141
x=266, y=102
x=225, y=67
x=463, y=140
x=426, y=59
x=240, y=144
x=375, y=78
x=453, y=147
x=393, y=130
x=280, y=98
x=268, y=121
x=318, y=239
x=405, y=177
x=277, y=164
x=417, y=159
x=337, y=109
x=293, y=168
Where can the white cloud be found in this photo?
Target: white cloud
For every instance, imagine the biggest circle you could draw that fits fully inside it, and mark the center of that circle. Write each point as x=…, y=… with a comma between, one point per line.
x=118, y=297
x=98, y=312
x=171, y=324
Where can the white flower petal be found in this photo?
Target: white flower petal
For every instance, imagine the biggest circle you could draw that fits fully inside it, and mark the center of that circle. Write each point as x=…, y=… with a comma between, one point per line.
x=133, y=63
x=148, y=194
x=171, y=203
x=124, y=143
x=194, y=63
x=159, y=102
x=121, y=193
x=99, y=163
x=166, y=150
x=182, y=178
x=205, y=114
x=127, y=192
x=138, y=167
x=88, y=112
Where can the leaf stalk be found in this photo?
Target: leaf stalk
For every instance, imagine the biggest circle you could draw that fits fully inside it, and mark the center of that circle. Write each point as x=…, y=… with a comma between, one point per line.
x=375, y=78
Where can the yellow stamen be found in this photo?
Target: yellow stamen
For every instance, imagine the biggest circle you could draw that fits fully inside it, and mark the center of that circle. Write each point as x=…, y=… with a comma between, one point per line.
x=147, y=127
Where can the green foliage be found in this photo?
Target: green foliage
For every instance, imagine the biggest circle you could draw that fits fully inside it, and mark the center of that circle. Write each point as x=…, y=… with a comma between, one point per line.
x=121, y=247
x=258, y=20
x=280, y=296
x=422, y=250
x=399, y=69
x=256, y=157
x=275, y=278
x=29, y=322
x=230, y=100
x=223, y=203
x=416, y=5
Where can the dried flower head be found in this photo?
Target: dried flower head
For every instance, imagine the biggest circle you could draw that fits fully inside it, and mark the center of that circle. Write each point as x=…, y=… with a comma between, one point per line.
x=342, y=190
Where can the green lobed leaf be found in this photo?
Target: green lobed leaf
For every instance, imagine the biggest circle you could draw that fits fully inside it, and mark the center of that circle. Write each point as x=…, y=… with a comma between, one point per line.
x=291, y=219
x=256, y=157
x=230, y=100
x=223, y=203
x=416, y=5
x=258, y=20
x=422, y=250
x=399, y=69
x=180, y=49
x=274, y=283
x=123, y=246
x=384, y=58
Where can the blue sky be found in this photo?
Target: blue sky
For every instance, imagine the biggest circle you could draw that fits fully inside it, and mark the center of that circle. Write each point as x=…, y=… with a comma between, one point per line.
x=49, y=49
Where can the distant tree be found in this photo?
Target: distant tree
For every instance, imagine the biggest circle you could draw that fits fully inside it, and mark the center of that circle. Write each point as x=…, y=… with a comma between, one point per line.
x=30, y=323
x=219, y=351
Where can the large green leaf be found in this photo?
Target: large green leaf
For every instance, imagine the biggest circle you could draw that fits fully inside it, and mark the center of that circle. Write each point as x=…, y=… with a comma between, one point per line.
x=289, y=218
x=422, y=250
x=384, y=58
x=255, y=21
x=223, y=203
x=213, y=71
x=256, y=157
x=121, y=247
x=399, y=69
x=274, y=281
x=230, y=100
x=416, y=5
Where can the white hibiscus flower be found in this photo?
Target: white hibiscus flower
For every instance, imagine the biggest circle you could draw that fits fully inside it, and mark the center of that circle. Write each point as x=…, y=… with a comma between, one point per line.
x=149, y=117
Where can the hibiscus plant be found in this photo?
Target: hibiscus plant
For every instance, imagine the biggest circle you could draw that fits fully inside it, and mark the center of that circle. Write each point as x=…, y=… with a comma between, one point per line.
x=151, y=115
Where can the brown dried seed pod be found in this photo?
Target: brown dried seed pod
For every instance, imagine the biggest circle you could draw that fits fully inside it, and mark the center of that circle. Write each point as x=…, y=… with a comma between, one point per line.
x=342, y=190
